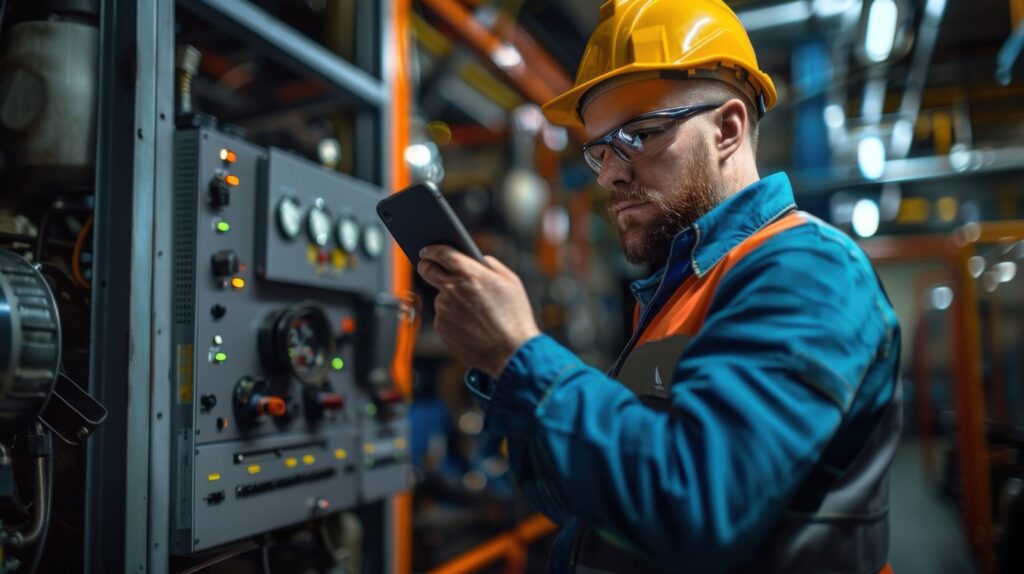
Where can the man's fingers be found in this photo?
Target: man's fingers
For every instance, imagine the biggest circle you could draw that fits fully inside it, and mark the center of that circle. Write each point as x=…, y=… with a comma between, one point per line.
x=433, y=273
x=451, y=259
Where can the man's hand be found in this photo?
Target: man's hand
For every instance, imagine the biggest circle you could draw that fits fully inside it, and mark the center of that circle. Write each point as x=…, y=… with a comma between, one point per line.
x=482, y=313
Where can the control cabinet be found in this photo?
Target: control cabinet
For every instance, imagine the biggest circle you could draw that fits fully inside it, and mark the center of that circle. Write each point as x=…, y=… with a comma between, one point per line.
x=283, y=336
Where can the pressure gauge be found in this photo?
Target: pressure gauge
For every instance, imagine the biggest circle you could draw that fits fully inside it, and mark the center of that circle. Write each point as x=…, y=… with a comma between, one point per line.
x=373, y=241
x=298, y=341
x=319, y=225
x=289, y=217
x=347, y=233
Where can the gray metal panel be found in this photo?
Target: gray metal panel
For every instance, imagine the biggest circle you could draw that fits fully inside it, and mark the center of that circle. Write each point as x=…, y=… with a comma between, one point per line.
x=206, y=437
x=386, y=460
x=237, y=516
x=288, y=260
x=301, y=53
x=158, y=548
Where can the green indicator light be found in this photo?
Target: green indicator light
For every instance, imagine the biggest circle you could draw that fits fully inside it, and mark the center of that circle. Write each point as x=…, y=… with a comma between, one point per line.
x=371, y=409
x=223, y=226
x=337, y=363
x=220, y=357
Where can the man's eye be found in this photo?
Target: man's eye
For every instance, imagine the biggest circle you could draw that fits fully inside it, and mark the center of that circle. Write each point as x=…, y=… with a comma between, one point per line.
x=643, y=134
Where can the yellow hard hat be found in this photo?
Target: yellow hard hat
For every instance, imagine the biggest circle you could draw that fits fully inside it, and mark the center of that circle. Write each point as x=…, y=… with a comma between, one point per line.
x=664, y=38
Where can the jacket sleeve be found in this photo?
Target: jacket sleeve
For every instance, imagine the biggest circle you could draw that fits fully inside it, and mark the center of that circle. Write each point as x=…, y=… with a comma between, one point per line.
x=757, y=397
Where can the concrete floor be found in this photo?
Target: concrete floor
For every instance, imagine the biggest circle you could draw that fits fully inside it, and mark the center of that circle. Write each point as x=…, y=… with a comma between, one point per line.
x=926, y=531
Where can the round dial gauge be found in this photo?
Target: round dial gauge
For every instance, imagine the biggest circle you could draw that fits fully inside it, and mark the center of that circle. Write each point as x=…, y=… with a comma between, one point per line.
x=347, y=233
x=299, y=341
x=289, y=217
x=373, y=240
x=319, y=226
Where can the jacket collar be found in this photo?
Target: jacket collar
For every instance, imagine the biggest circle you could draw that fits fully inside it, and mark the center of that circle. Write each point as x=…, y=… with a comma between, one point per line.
x=703, y=244
x=736, y=219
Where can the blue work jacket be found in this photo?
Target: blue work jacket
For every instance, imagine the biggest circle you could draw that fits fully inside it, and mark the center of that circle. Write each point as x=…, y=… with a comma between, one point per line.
x=787, y=377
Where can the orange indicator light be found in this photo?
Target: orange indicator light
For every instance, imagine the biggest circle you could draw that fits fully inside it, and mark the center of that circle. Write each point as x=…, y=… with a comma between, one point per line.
x=228, y=156
x=232, y=180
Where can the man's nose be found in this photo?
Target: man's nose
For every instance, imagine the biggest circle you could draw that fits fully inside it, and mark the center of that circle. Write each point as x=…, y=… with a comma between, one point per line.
x=614, y=170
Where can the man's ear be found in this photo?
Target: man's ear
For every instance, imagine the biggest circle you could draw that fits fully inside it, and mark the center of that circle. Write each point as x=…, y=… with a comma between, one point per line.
x=731, y=128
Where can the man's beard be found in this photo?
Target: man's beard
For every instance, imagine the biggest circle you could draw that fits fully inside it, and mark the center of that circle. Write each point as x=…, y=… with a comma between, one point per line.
x=679, y=209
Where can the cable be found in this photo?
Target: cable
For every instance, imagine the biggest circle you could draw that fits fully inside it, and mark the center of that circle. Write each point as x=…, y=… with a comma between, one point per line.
x=76, y=256
x=37, y=250
x=265, y=555
x=44, y=495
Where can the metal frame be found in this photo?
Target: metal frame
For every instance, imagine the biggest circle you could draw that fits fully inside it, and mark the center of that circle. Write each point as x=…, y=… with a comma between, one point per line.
x=290, y=47
x=127, y=501
x=116, y=492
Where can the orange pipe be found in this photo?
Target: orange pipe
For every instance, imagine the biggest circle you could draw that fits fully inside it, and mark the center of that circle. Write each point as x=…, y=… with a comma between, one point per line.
x=486, y=44
x=401, y=272
x=509, y=545
x=969, y=390
x=970, y=413
x=540, y=62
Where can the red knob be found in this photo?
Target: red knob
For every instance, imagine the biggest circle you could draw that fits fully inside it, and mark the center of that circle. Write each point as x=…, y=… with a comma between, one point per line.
x=273, y=406
x=331, y=401
x=390, y=396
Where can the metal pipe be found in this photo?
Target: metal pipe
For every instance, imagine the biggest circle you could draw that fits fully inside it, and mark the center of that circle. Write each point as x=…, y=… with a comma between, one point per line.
x=43, y=492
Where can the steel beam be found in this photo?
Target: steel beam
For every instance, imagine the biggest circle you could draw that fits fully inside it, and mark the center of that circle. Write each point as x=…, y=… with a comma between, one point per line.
x=290, y=47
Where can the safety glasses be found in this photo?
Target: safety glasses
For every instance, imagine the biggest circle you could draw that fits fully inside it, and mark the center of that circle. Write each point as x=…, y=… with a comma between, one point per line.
x=641, y=135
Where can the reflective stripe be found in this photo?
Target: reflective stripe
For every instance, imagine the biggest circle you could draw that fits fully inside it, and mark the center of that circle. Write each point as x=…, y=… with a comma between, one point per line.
x=685, y=311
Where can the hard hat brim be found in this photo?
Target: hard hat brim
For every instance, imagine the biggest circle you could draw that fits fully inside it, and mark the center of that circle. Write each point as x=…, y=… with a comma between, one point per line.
x=564, y=110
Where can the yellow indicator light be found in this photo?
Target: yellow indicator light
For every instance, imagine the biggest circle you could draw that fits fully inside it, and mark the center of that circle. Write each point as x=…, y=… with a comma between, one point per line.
x=338, y=259
x=254, y=469
x=237, y=282
x=308, y=459
x=369, y=448
x=223, y=227
x=220, y=357
x=291, y=462
x=232, y=180
x=338, y=363
x=340, y=454
x=400, y=443
x=213, y=477
x=228, y=156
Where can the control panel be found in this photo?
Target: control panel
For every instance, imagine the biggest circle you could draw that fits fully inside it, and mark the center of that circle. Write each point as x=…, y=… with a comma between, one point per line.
x=284, y=332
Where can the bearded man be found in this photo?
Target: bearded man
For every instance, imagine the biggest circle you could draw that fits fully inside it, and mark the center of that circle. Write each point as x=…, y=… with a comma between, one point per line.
x=749, y=424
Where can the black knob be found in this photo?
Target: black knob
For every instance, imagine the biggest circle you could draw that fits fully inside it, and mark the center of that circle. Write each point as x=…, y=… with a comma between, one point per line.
x=220, y=193
x=208, y=402
x=218, y=311
x=225, y=263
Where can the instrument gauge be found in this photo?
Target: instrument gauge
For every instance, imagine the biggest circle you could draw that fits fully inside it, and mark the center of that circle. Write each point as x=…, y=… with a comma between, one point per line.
x=299, y=341
x=319, y=223
x=347, y=233
x=373, y=241
x=289, y=217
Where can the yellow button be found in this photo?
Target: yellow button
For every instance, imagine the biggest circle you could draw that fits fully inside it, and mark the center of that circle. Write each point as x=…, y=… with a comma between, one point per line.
x=369, y=448
x=213, y=477
x=308, y=459
x=340, y=454
x=291, y=462
x=400, y=443
x=254, y=469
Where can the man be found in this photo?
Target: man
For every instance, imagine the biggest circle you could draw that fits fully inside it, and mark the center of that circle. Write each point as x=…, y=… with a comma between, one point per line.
x=749, y=424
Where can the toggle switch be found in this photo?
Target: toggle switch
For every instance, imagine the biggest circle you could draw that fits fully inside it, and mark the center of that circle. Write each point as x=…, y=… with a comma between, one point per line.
x=225, y=262
x=220, y=193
